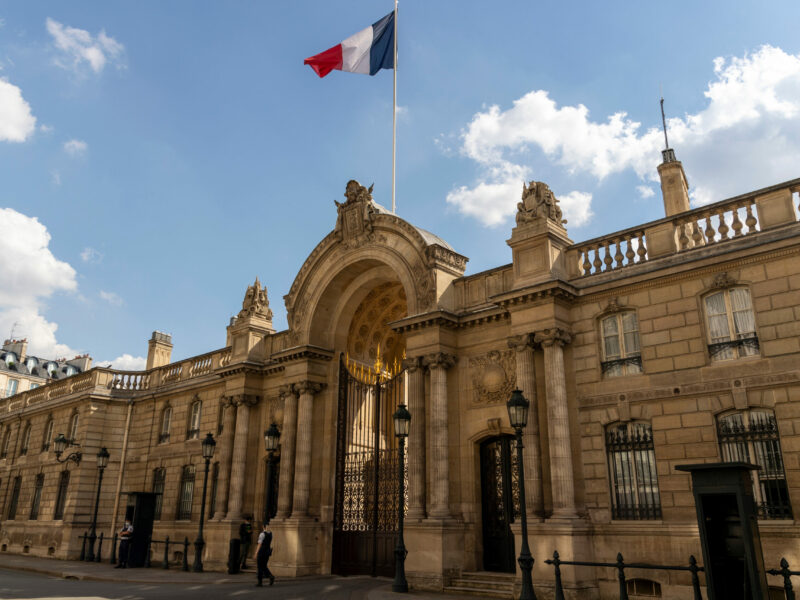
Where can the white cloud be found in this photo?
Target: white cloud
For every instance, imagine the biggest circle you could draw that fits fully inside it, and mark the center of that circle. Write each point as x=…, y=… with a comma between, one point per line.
x=90, y=255
x=17, y=123
x=45, y=128
x=747, y=136
x=645, y=191
x=75, y=147
x=577, y=208
x=111, y=298
x=29, y=274
x=126, y=362
x=78, y=46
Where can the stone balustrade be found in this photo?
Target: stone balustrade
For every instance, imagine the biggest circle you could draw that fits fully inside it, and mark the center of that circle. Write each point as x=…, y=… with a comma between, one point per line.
x=712, y=224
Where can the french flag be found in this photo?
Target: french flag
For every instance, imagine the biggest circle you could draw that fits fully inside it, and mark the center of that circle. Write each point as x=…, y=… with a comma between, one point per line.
x=367, y=52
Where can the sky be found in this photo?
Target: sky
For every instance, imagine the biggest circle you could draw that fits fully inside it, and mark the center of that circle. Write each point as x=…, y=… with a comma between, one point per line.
x=155, y=157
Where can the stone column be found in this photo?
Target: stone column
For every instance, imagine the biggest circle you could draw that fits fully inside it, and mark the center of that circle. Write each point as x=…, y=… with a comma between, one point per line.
x=416, y=438
x=438, y=364
x=526, y=381
x=561, y=478
x=302, y=471
x=224, y=453
x=288, y=437
x=243, y=403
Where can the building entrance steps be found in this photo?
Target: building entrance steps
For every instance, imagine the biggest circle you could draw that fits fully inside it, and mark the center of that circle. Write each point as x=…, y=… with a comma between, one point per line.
x=483, y=584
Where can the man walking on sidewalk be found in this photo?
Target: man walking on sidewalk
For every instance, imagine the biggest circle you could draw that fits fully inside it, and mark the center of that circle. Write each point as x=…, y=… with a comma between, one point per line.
x=246, y=538
x=263, y=552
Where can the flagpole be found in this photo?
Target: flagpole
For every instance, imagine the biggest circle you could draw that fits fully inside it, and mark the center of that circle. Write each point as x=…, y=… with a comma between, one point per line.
x=394, y=111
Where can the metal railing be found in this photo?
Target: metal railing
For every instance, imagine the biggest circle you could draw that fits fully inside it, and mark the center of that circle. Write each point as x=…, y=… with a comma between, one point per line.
x=147, y=560
x=787, y=574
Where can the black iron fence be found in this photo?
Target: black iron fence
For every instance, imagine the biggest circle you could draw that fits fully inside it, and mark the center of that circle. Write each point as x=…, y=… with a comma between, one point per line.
x=786, y=573
x=148, y=550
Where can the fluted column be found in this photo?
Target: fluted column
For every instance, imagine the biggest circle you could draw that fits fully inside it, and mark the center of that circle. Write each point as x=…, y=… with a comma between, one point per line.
x=526, y=381
x=288, y=437
x=302, y=471
x=440, y=468
x=224, y=453
x=561, y=477
x=243, y=403
x=416, y=438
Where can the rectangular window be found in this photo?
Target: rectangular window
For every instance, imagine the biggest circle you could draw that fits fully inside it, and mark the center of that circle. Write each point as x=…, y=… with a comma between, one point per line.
x=26, y=440
x=48, y=435
x=37, y=496
x=632, y=472
x=193, y=431
x=61, y=495
x=753, y=437
x=12, y=505
x=6, y=441
x=34, y=386
x=11, y=387
x=159, y=477
x=621, y=352
x=166, y=421
x=186, y=493
x=731, y=325
x=212, y=504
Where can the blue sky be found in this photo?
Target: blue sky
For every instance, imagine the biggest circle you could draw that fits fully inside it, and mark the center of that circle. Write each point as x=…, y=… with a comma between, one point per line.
x=156, y=156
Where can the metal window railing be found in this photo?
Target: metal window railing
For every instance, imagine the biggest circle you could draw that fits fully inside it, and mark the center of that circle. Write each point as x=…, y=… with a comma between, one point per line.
x=632, y=472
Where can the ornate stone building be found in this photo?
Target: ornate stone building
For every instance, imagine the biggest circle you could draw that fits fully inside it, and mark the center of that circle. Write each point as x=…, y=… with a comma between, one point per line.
x=672, y=342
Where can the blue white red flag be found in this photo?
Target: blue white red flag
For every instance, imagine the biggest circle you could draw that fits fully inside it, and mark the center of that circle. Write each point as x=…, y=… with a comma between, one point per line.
x=367, y=52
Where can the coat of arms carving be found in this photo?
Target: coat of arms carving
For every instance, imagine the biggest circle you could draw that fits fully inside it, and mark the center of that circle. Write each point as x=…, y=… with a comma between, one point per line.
x=538, y=202
x=354, y=219
x=493, y=376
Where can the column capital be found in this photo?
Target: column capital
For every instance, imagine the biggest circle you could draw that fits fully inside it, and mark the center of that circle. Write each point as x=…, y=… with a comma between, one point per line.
x=302, y=387
x=521, y=343
x=244, y=399
x=439, y=360
x=226, y=401
x=413, y=363
x=555, y=335
x=286, y=390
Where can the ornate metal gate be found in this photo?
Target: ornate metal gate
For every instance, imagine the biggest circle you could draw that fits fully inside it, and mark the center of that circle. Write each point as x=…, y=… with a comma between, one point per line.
x=365, y=514
x=500, y=501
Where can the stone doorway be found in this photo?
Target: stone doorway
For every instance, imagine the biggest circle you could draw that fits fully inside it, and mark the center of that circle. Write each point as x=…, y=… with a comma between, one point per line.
x=499, y=502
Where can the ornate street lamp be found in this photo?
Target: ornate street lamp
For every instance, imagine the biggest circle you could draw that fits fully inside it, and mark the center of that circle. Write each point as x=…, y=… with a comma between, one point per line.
x=208, y=445
x=402, y=422
x=518, y=416
x=271, y=438
x=59, y=445
x=102, y=463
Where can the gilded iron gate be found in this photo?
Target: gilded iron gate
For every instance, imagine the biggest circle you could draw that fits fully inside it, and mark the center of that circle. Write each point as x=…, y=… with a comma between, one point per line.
x=500, y=503
x=365, y=514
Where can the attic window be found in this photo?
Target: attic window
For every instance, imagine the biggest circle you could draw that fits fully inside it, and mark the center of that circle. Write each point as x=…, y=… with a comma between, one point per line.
x=11, y=359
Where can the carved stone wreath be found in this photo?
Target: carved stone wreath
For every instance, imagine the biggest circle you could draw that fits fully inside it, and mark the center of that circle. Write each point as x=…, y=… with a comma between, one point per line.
x=493, y=376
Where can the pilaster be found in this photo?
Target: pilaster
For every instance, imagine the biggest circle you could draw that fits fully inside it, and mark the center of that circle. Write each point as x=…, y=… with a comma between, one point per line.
x=225, y=454
x=437, y=364
x=302, y=474
x=288, y=439
x=416, y=438
x=243, y=403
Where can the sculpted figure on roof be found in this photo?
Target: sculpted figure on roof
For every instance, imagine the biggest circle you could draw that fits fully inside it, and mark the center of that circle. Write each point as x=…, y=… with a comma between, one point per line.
x=538, y=202
x=255, y=302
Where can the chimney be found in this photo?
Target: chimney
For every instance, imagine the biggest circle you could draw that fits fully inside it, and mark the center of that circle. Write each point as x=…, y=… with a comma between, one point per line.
x=159, y=350
x=82, y=362
x=18, y=347
x=674, y=187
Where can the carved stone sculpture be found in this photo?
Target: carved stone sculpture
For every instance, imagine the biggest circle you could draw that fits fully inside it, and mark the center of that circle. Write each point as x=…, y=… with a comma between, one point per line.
x=354, y=216
x=538, y=202
x=256, y=303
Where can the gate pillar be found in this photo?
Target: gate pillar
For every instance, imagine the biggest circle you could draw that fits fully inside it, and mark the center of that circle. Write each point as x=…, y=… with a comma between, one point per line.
x=435, y=553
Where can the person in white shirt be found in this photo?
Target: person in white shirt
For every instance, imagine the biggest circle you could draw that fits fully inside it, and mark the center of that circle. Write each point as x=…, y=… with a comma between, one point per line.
x=125, y=535
x=263, y=552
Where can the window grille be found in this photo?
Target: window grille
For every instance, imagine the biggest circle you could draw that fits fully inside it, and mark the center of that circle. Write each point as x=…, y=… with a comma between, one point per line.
x=621, y=352
x=48, y=435
x=61, y=495
x=37, y=497
x=752, y=437
x=166, y=421
x=193, y=431
x=186, y=493
x=12, y=506
x=632, y=472
x=731, y=325
x=643, y=587
x=159, y=477
x=26, y=440
x=212, y=504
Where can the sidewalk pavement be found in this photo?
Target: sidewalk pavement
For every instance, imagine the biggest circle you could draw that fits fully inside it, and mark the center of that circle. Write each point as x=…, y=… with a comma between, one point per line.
x=86, y=571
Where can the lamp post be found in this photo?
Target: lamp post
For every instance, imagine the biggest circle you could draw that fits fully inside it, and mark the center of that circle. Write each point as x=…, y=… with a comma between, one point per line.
x=402, y=422
x=59, y=445
x=208, y=445
x=271, y=438
x=102, y=462
x=518, y=416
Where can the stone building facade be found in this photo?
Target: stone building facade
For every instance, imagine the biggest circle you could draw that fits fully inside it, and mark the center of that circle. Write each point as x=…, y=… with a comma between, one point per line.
x=668, y=343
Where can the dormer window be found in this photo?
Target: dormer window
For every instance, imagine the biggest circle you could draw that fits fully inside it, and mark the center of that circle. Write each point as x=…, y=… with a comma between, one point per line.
x=51, y=368
x=731, y=325
x=69, y=371
x=10, y=359
x=31, y=363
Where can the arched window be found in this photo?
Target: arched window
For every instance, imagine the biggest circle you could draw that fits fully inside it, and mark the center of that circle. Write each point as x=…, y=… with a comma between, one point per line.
x=632, y=472
x=26, y=440
x=186, y=493
x=621, y=353
x=193, y=431
x=166, y=421
x=731, y=324
x=752, y=436
x=73, y=428
x=47, y=438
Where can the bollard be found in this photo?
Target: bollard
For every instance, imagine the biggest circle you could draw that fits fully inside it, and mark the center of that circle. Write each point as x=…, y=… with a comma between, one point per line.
x=186, y=554
x=559, y=587
x=623, y=587
x=99, y=548
x=83, y=548
x=698, y=595
x=166, y=553
x=114, y=550
x=147, y=552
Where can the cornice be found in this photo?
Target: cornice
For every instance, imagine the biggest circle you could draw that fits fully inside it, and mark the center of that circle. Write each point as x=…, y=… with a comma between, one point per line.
x=246, y=367
x=305, y=352
x=555, y=289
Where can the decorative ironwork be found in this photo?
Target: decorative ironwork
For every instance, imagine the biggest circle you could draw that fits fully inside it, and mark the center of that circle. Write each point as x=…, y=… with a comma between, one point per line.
x=500, y=502
x=186, y=493
x=632, y=469
x=610, y=365
x=746, y=342
x=757, y=441
x=367, y=484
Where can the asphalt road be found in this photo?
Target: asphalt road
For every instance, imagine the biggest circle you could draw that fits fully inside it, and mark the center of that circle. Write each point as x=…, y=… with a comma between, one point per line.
x=15, y=584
